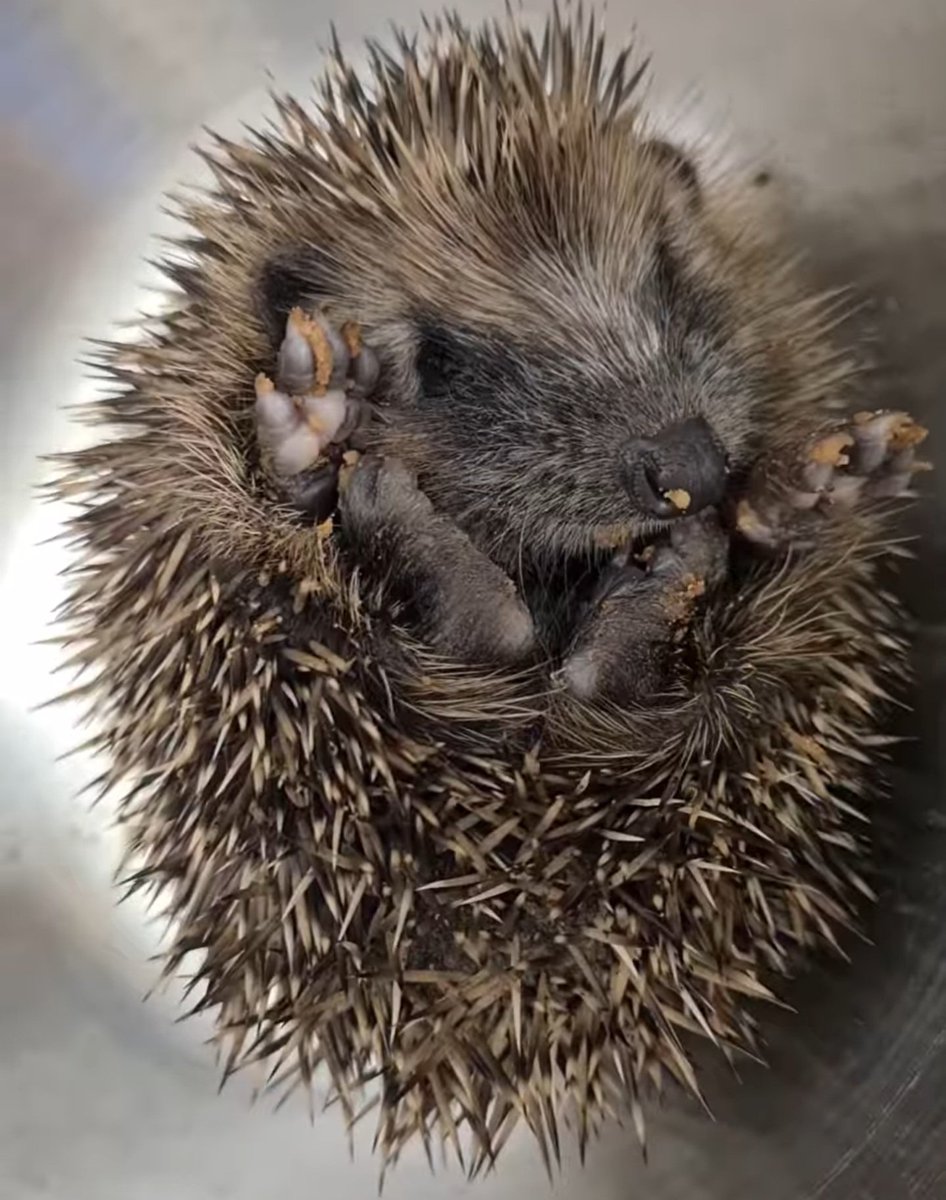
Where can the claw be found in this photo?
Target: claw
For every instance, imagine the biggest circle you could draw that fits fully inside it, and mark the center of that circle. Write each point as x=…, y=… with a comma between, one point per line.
x=292, y=445
x=351, y=335
x=846, y=490
x=908, y=435
x=895, y=486
x=331, y=353
x=275, y=411
x=365, y=370
x=364, y=362
x=826, y=456
x=807, y=500
x=751, y=525
x=829, y=451
x=880, y=434
x=295, y=368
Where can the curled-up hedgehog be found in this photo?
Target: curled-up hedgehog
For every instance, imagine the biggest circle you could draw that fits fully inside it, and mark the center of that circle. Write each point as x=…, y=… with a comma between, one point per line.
x=483, y=595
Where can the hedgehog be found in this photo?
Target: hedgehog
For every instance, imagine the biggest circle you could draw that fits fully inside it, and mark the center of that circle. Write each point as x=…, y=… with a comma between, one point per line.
x=480, y=580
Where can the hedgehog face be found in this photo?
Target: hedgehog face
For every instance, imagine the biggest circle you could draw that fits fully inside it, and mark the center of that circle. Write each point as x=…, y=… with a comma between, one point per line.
x=553, y=451
x=597, y=401
x=568, y=360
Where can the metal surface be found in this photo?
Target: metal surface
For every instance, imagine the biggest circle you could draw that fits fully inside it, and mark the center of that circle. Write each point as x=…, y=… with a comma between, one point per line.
x=103, y=1097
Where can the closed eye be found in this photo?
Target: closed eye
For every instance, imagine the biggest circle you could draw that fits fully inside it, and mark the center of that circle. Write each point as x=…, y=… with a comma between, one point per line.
x=470, y=370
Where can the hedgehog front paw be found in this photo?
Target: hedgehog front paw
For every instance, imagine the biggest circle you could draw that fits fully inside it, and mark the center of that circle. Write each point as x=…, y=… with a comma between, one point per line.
x=322, y=378
x=458, y=599
x=871, y=457
x=624, y=652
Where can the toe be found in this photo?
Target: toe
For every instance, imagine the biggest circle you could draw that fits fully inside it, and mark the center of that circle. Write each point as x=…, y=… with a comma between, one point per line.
x=295, y=370
x=334, y=353
x=378, y=491
x=276, y=415
x=365, y=369
x=329, y=352
x=826, y=456
x=513, y=632
x=325, y=415
x=581, y=675
x=886, y=444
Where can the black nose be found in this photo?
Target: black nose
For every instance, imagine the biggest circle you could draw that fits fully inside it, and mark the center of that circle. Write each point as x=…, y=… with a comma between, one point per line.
x=681, y=470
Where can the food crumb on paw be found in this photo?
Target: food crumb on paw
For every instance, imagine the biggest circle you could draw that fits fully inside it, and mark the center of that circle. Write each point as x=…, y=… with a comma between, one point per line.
x=907, y=435
x=680, y=599
x=350, y=460
x=753, y=527
x=351, y=333
x=695, y=586
x=747, y=520
x=830, y=451
x=322, y=353
x=887, y=431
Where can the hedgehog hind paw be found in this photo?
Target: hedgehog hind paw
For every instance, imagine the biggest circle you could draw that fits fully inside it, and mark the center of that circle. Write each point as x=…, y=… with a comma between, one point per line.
x=619, y=653
x=623, y=650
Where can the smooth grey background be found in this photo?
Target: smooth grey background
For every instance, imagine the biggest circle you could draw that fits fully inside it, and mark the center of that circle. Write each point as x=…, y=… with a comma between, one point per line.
x=102, y=1095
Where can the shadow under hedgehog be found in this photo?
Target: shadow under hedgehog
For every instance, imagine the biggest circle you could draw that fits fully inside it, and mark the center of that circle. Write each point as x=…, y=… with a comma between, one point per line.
x=495, y=693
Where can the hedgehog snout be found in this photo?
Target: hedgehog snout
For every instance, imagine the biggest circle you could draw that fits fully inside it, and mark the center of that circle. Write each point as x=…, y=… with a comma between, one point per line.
x=680, y=471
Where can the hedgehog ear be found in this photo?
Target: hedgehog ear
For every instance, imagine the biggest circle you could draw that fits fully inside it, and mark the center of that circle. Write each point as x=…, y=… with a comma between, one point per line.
x=679, y=166
x=299, y=275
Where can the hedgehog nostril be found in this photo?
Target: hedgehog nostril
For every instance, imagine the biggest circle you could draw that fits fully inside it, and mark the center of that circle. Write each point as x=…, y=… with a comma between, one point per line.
x=642, y=478
x=682, y=470
x=650, y=488
x=651, y=475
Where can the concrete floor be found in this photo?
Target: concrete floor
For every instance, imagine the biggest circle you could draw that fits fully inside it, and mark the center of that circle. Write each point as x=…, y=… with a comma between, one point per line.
x=104, y=1097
